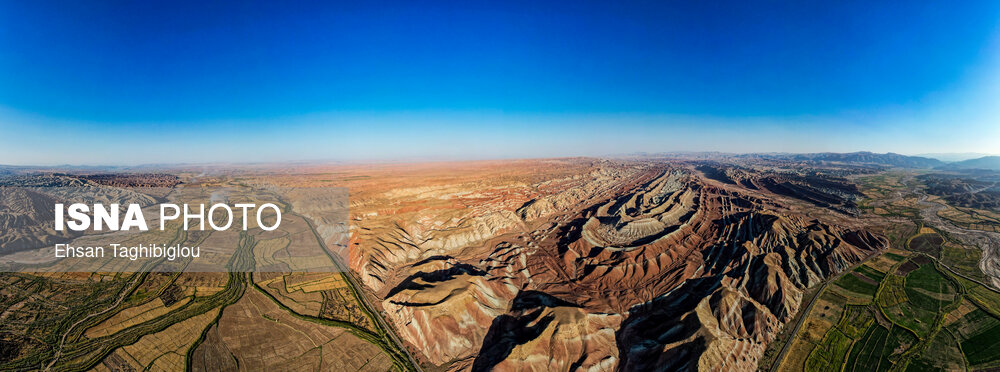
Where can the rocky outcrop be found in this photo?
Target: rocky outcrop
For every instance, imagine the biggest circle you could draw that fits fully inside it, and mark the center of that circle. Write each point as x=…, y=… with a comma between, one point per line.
x=544, y=333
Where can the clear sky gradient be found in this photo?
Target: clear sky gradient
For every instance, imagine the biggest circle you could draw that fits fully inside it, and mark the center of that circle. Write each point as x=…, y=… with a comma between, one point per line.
x=135, y=82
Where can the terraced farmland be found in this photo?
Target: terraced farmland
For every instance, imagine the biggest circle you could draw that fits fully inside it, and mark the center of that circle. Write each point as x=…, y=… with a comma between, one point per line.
x=920, y=318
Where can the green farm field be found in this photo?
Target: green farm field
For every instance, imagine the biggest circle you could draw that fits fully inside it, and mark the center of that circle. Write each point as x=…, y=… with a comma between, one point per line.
x=920, y=318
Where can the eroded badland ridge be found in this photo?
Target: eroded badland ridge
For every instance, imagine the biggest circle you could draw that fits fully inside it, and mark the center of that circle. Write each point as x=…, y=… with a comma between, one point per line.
x=602, y=265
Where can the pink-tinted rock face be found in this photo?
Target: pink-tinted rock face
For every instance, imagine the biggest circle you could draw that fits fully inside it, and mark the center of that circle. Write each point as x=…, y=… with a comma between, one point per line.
x=593, y=265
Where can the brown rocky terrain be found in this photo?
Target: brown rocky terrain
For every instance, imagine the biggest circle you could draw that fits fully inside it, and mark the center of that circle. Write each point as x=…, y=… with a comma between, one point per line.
x=592, y=264
x=26, y=203
x=557, y=264
x=26, y=220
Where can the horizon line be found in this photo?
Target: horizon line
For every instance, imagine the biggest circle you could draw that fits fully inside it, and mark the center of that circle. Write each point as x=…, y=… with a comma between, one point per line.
x=431, y=159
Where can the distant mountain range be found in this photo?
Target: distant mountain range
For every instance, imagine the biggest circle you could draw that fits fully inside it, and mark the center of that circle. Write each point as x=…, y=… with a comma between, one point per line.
x=986, y=162
x=890, y=159
x=954, y=156
x=862, y=157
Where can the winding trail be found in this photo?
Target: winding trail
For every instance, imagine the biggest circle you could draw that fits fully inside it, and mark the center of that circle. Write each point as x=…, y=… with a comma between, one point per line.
x=808, y=308
x=795, y=331
x=62, y=341
x=385, y=329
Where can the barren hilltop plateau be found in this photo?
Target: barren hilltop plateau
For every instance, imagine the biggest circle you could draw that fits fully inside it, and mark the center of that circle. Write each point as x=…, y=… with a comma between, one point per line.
x=712, y=262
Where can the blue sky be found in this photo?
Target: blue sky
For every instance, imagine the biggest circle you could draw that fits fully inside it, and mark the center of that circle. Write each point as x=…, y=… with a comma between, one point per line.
x=139, y=82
